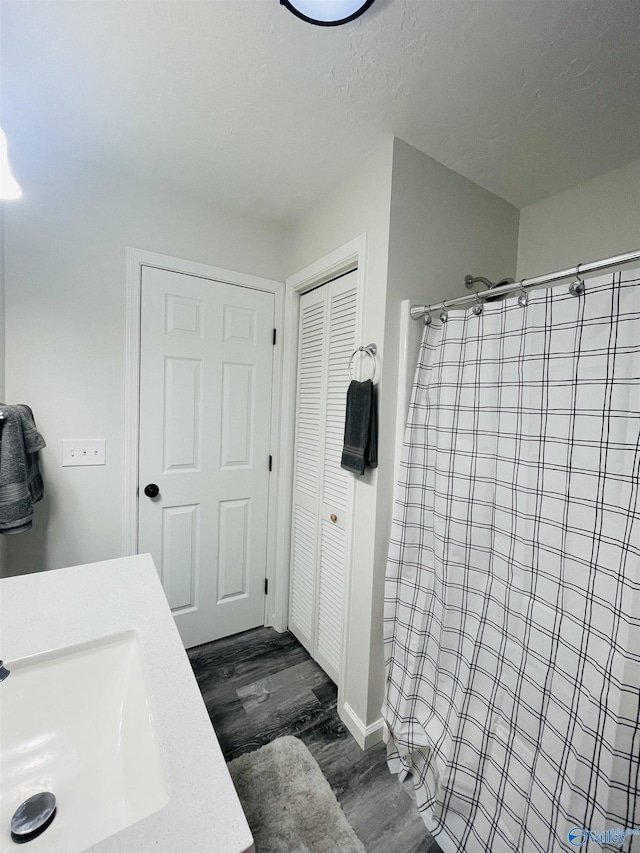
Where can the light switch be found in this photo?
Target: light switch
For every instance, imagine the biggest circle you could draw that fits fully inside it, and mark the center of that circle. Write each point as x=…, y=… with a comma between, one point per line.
x=83, y=451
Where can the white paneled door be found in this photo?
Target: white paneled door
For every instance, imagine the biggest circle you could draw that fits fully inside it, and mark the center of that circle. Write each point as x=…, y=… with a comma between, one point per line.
x=322, y=493
x=205, y=416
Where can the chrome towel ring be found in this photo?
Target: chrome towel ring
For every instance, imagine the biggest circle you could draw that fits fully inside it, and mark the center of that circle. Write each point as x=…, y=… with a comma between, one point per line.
x=370, y=350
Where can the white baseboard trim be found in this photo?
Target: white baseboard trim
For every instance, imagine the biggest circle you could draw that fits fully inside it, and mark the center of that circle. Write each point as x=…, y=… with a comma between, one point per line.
x=366, y=736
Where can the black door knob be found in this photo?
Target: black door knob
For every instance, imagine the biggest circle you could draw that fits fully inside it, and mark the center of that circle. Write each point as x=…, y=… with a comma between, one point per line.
x=151, y=491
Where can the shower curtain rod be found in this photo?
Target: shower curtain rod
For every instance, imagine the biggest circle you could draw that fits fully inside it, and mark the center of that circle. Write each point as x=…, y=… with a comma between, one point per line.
x=418, y=311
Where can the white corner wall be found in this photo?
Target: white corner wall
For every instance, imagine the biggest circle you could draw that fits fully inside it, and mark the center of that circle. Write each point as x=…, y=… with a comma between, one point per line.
x=426, y=227
x=360, y=205
x=65, y=272
x=593, y=220
x=442, y=227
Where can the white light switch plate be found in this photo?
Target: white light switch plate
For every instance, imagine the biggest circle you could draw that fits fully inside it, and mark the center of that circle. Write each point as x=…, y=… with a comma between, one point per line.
x=83, y=451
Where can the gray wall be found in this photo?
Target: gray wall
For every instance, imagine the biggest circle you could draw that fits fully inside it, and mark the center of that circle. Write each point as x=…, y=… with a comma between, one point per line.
x=593, y=220
x=442, y=227
x=359, y=206
x=426, y=228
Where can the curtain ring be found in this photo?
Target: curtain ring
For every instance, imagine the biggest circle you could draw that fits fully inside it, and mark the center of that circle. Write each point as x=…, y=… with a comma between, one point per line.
x=523, y=298
x=478, y=308
x=577, y=287
x=444, y=316
x=428, y=319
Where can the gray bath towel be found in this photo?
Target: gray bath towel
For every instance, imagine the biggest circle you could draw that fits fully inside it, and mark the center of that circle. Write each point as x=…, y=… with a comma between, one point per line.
x=20, y=480
x=360, y=428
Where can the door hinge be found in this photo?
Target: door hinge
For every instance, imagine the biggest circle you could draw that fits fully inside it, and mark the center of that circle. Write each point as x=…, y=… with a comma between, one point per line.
x=270, y=463
x=266, y=586
x=274, y=337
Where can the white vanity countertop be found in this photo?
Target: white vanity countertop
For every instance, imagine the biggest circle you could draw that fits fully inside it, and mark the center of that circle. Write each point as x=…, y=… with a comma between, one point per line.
x=66, y=607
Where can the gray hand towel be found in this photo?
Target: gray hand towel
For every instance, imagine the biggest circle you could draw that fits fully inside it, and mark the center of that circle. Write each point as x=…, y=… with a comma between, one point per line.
x=360, y=428
x=20, y=480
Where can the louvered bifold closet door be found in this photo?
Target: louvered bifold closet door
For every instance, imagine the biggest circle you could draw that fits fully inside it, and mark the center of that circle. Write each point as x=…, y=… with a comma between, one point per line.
x=311, y=390
x=336, y=482
x=322, y=489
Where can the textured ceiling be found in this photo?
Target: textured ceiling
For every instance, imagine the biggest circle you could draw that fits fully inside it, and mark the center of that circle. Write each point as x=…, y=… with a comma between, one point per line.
x=239, y=102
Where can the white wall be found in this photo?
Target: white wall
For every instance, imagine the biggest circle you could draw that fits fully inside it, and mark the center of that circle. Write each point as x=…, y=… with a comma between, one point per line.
x=426, y=228
x=442, y=227
x=360, y=205
x=66, y=240
x=593, y=220
x=65, y=268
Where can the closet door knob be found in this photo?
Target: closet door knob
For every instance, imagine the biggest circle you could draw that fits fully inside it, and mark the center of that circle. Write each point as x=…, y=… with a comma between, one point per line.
x=333, y=517
x=151, y=491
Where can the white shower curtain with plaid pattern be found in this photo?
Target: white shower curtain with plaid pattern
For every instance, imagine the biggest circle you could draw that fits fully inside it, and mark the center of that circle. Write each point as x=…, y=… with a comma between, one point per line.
x=512, y=611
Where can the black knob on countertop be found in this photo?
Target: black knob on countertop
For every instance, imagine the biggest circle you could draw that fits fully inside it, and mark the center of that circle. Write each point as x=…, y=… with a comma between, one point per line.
x=151, y=491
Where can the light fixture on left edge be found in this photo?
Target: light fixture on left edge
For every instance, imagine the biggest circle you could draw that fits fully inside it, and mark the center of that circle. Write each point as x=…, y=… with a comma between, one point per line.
x=9, y=187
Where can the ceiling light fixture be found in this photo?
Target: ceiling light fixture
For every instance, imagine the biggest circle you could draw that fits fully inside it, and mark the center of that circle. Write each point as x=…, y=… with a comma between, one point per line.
x=327, y=13
x=9, y=187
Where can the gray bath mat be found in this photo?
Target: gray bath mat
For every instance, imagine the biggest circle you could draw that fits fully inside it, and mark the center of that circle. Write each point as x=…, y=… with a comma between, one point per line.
x=289, y=805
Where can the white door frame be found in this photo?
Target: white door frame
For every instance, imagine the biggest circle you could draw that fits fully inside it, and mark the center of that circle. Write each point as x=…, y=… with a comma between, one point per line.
x=136, y=260
x=340, y=261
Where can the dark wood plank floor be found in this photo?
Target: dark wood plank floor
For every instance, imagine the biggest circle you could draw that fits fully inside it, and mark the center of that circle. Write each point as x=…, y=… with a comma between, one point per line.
x=261, y=685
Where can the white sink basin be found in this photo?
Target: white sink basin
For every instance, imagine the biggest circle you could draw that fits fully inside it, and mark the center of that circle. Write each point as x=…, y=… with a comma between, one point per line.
x=78, y=722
